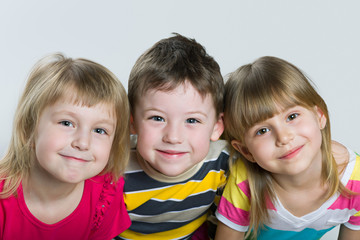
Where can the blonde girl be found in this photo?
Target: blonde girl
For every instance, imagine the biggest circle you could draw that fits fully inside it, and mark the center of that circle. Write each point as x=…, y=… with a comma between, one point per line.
x=61, y=176
x=290, y=180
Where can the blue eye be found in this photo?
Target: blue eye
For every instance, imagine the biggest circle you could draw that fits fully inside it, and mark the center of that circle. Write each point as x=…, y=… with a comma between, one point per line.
x=292, y=116
x=262, y=131
x=192, y=120
x=157, y=119
x=66, y=123
x=100, y=131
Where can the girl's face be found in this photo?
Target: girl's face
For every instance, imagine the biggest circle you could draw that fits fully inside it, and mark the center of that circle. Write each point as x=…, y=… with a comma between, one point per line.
x=73, y=142
x=289, y=143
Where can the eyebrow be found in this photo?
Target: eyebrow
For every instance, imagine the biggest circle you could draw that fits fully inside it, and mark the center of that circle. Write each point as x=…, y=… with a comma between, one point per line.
x=198, y=112
x=110, y=120
x=191, y=112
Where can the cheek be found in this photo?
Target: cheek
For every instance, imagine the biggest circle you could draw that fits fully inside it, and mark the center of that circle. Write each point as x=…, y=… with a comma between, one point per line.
x=261, y=148
x=311, y=130
x=146, y=140
x=44, y=141
x=102, y=148
x=200, y=145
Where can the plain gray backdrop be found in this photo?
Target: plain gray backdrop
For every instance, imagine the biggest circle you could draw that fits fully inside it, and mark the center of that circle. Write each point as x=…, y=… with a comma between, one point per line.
x=320, y=37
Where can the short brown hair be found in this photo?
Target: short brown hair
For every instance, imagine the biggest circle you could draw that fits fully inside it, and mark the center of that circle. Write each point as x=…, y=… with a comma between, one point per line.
x=172, y=61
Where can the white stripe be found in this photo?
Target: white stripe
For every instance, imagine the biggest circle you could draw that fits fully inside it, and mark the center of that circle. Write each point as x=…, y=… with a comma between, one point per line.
x=172, y=216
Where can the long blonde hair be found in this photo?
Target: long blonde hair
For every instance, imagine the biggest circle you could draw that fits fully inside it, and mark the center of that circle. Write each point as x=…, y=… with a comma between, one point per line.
x=252, y=94
x=48, y=82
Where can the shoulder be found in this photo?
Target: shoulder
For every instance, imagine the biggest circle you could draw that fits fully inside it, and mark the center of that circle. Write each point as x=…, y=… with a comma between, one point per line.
x=218, y=152
x=2, y=185
x=348, y=163
x=108, y=195
x=238, y=172
x=218, y=147
x=104, y=185
x=133, y=165
x=340, y=153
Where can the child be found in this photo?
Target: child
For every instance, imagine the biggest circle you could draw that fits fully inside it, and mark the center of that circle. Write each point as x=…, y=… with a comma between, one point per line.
x=176, y=98
x=291, y=182
x=70, y=143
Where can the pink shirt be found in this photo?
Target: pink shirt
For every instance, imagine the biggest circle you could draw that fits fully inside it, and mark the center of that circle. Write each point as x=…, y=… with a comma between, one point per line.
x=101, y=214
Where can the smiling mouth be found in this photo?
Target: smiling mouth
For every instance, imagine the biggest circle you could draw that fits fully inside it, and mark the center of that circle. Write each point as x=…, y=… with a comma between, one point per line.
x=171, y=153
x=74, y=158
x=292, y=153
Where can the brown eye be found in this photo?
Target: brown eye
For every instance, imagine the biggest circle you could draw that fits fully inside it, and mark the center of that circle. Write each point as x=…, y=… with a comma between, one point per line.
x=262, y=131
x=292, y=116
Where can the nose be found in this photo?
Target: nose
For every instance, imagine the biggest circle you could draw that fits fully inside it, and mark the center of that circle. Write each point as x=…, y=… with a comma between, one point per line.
x=284, y=136
x=173, y=133
x=81, y=140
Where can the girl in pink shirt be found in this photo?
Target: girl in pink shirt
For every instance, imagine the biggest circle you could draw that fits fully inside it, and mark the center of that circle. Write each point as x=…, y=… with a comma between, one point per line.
x=70, y=143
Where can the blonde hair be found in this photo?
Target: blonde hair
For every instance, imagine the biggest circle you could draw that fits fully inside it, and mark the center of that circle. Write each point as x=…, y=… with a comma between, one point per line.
x=252, y=94
x=48, y=82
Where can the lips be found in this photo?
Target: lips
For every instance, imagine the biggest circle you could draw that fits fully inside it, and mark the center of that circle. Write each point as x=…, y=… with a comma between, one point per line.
x=171, y=153
x=74, y=158
x=292, y=153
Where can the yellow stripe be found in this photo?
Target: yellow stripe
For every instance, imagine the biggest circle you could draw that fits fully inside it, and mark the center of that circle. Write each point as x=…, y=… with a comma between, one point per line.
x=355, y=175
x=180, y=191
x=357, y=214
x=232, y=192
x=171, y=234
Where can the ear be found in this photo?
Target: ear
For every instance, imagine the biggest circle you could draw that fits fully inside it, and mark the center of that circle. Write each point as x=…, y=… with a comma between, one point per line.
x=218, y=128
x=321, y=117
x=241, y=148
x=132, y=125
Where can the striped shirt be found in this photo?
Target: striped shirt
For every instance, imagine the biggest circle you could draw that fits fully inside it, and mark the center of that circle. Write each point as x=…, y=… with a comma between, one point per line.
x=162, y=207
x=234, y=207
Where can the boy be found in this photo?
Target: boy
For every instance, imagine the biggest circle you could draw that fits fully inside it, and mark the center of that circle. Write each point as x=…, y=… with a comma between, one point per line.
x=176, y=97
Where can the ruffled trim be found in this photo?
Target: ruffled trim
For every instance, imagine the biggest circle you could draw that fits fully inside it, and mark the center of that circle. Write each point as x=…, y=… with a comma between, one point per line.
x=106, y=197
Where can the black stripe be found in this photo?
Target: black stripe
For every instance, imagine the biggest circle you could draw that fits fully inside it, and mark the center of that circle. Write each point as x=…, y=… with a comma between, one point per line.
x=140, y=181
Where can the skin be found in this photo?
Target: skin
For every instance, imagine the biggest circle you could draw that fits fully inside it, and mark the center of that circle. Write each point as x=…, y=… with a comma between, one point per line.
x=174, y=128
x=72, y=144
x=288, y=146
x=225, y=232
x=348, y=234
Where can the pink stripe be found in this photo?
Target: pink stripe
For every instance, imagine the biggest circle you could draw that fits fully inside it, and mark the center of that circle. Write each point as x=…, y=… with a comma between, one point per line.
x=244, y=186
x=354, y=220
x=270, y=205
x=236, y=215
x=348, y=203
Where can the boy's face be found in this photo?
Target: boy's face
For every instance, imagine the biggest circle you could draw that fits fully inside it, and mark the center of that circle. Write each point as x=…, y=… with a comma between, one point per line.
x=73, y=142
x=174, y=128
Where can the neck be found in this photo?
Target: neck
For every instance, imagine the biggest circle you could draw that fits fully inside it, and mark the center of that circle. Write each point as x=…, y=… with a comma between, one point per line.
x=297, y=183
x=310, y=178
x=49, y=199
x=41, y=186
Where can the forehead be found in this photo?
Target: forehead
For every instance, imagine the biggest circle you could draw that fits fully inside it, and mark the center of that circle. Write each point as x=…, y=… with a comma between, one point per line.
x=182, y=99
x=185, y=90
x=71, y=98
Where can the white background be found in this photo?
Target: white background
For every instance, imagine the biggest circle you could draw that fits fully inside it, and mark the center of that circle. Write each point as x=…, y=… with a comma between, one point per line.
x=320, y=37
